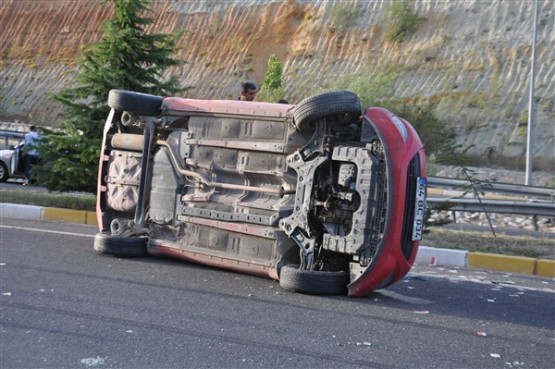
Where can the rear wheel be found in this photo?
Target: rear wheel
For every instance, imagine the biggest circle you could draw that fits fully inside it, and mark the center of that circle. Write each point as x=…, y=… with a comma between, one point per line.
x=135, y=102
x=124, y=247
x=313, y=282
x=343, y=106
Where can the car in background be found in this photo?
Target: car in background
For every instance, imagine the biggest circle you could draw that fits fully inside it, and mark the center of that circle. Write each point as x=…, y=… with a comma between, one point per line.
x=11, y=154
x=324, y=196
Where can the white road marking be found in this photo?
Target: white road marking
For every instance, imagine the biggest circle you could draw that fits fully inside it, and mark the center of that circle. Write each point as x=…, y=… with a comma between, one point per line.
x=48, y=231
x=403, y=298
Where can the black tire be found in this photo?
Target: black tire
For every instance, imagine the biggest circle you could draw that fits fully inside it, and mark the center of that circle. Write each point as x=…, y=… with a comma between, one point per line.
x=124, y=247
x=135, y=102
x=4, y=173
x=343, y=105
x=312, y=282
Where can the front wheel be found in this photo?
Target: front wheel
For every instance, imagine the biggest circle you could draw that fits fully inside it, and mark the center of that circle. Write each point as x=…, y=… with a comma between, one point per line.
x=123, y=247
x=344, y=106
x=313, y=282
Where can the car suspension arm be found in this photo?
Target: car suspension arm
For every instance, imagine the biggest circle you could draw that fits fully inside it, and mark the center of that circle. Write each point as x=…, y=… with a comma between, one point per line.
x=145, y=164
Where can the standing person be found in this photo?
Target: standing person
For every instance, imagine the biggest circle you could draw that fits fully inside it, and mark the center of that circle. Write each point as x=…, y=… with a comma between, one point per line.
x=31, y=155
x=248, y=91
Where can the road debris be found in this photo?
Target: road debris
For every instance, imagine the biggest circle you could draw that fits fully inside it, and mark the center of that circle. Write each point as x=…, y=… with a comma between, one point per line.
x=93, y=361
x=363, y=343
x=503, y=282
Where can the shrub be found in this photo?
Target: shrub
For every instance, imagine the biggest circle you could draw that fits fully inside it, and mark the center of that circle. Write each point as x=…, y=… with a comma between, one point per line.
x=67, y=200
x=400, y=21
x=272, y=89
x=343, y=14
x=438, y=139
x=375, y=89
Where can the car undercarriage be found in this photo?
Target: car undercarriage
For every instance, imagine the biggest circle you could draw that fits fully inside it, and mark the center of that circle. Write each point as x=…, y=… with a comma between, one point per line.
x=300, y=193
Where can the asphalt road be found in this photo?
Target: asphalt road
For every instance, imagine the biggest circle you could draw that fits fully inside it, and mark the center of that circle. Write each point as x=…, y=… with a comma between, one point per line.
x=64, y=306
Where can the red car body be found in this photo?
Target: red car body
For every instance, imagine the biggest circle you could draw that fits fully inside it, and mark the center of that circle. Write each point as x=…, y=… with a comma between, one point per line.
x=323, y=196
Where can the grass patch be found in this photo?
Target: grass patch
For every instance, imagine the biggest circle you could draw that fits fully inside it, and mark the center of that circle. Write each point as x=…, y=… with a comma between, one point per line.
x=343, y=15
x=76, y=201
x=400, y=21
x=485, y=242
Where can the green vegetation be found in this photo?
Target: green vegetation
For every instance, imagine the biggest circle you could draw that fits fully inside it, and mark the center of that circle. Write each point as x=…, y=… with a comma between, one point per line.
x=487, y=242
x=272, y=89
x=379, y=90
x=437, y=137
x=343, y=14
x=374, y=89
x=66, y=200
x=400, y=21
x=125, y=58
x=523, y=118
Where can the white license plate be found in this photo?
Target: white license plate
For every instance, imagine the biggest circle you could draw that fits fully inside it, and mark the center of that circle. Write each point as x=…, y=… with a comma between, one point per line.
x=419, y=209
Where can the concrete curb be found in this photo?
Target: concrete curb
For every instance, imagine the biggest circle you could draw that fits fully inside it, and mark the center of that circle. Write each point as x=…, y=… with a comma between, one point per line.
x=32, y=212
x=426, y=255
x=444, y=257
x=70, y=216
x=479, y=260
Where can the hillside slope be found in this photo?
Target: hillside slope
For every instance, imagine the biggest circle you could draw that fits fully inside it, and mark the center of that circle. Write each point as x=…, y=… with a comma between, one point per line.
x=470, y=59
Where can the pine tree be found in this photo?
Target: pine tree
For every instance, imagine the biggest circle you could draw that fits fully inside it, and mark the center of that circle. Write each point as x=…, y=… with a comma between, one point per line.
x=126, y=58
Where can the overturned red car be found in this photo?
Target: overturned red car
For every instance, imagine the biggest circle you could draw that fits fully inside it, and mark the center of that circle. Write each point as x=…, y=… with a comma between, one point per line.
x=323, y=196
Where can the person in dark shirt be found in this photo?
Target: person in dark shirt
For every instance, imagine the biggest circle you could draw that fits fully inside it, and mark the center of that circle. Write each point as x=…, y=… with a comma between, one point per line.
x=248, y=91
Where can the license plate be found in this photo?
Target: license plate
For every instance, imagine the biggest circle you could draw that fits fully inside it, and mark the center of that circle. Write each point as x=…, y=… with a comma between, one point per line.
x=419, y=210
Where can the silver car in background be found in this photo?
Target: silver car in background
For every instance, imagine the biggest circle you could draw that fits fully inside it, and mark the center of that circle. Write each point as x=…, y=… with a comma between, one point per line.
x=11, y=152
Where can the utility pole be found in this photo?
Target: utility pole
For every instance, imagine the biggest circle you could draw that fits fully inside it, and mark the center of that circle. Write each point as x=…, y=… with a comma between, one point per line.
x=531, y=106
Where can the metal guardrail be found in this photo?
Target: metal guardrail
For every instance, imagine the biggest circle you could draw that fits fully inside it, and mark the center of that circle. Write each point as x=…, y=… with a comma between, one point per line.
x=535, y=201
x=544, y=193
x=10, y=138
x=546, y=209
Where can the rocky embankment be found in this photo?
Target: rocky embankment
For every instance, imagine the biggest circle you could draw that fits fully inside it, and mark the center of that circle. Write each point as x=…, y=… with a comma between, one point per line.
x=468, y=59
